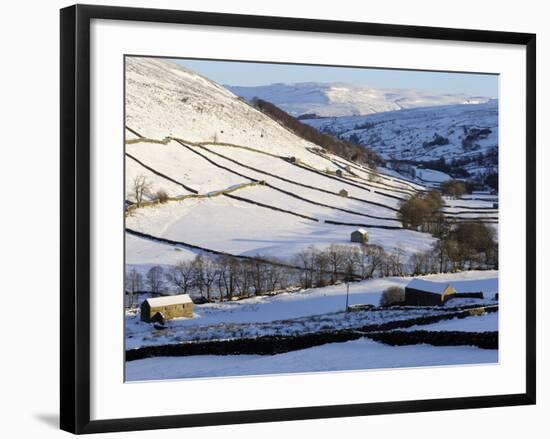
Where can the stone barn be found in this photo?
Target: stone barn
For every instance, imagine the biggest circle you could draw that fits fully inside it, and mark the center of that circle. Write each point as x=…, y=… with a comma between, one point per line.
x=343, y=193
x=421, y=292
x=166, y=308
x=360, y=235
x=339, y=173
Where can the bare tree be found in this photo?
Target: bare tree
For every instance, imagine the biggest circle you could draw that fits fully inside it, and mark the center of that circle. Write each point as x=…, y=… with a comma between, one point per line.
x=141, y=187
x=199, y=273
x=305, y=259
x=228, y=276
x=155, y=279
x=372, y=259
x=246, y=277
x=258, y=275
x=417, y=262
x=182, y=276
x=351, y=262
x=336, y=255
x=134, y=284
x=276, y=277
x=393, y=263
x=322, y=264
x=210, y=273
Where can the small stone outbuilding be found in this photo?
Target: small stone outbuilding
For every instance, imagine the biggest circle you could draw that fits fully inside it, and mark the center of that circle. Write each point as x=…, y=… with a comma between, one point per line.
x=343, y=193
x=360, y=235
x=166, y=307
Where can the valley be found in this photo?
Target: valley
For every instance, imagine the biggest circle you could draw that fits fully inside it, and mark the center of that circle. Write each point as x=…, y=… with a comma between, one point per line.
x=256, y=224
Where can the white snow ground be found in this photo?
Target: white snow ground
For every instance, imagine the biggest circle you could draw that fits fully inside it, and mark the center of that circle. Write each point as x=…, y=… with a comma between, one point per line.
x=353, y=355
x=164, y=100
x=223, y=318
x=483, y=323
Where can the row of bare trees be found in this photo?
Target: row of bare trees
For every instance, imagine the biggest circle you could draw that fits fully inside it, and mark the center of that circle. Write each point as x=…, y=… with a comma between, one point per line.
x=226, y=277
x=346, y=263
x=467, y=246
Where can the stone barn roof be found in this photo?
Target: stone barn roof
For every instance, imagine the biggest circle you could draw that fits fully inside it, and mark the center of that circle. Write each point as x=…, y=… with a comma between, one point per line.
x=178, y=299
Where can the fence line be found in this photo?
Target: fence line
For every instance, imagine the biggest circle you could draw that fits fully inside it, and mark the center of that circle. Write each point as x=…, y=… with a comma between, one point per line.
x=277, y=177
x=222, y=253
x=276, y=344
x=342, y=180
x=228, y=191
x=190, y=189
x=186, y=143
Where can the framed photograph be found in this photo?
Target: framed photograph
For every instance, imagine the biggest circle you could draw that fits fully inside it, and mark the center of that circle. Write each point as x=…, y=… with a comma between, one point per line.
x=272, y=218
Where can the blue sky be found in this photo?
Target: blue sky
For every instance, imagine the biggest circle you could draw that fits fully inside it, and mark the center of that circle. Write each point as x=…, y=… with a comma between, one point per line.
x=250, y=74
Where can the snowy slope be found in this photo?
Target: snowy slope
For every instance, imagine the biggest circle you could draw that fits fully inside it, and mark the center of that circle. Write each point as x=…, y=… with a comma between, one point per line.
x=454, y=132
x=191, y=137
x=338, y=99
x=166, y=100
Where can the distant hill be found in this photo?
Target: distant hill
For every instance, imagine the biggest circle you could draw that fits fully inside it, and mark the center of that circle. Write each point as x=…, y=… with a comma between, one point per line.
x=451, y=138
x=342, y=148
x=220, y=177
x=338, y=99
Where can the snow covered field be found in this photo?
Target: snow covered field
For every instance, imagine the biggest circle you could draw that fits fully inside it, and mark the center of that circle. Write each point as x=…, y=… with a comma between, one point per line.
x=291, y=313
x=267, y=232
x=328, y=299
x=483, y=323
x=302, y=311
x=352, y=355
x=252, y=187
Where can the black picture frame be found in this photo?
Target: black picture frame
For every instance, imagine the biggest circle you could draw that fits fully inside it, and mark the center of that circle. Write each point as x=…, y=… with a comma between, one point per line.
x=75, y=217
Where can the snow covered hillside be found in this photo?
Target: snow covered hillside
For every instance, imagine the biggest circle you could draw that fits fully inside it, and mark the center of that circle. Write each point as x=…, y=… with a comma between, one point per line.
x=241, y=183
x=466, y=135
x=338, y=99
x=271, y=216
x=164, y=99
